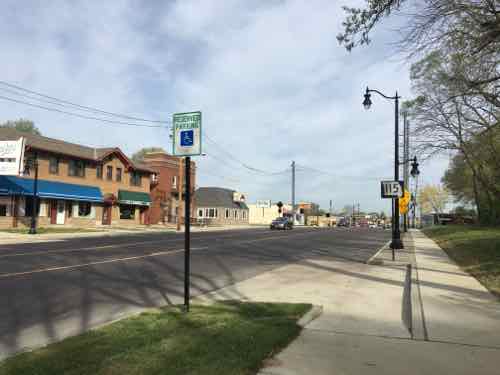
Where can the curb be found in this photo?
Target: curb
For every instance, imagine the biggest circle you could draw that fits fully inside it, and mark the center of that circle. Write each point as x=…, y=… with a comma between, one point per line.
x=373, y=260
x=312, y=314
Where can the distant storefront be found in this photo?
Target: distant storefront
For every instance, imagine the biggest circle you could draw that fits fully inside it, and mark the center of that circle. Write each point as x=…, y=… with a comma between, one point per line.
x=220, y=206
x=77, y=186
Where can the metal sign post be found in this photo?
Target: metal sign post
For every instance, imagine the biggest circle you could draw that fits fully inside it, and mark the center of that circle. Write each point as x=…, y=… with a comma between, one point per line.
x=187, y=142
x=393, y=190
x=187, y=232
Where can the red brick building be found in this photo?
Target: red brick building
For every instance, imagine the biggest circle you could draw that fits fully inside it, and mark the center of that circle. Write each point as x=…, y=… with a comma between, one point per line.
x=169, y=169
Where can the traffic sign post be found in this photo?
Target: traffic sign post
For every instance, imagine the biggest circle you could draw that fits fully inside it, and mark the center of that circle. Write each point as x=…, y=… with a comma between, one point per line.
x=391, y=189
x=187, y=142
x=394, y=190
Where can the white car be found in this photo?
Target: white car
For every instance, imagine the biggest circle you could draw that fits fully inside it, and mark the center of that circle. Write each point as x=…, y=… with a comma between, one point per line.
x=372, y=226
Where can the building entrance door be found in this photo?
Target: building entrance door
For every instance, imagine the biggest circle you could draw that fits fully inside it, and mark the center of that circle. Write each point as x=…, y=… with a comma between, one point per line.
x=61, y=212
x=53, y=212
x=106, y=215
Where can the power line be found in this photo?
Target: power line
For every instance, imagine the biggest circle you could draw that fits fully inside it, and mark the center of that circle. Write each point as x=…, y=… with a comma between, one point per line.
x=79, y=115
x=238, y=161
x=303, y=168
x=82, y=107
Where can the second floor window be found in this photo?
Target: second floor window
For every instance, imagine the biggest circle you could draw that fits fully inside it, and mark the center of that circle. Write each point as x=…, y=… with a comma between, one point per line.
x=109, y=172
x=118, y=175
x=135, y=179
x=98, y=171
x=76, y=168
x=174, y=182
x=53, y=165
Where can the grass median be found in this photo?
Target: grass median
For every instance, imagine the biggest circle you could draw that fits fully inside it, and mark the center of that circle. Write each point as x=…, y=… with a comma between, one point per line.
x=475, y=249
x=223, y=338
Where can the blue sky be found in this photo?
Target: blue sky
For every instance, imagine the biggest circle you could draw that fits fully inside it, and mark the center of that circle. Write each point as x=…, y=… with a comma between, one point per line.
x=270, y=78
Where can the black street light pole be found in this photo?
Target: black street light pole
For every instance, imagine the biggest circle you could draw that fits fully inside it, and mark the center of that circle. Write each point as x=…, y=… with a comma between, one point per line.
x=396, y=242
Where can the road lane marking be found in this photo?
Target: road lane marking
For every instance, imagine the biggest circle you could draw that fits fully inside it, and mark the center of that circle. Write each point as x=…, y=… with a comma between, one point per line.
x=90, y=248
x=50, y=269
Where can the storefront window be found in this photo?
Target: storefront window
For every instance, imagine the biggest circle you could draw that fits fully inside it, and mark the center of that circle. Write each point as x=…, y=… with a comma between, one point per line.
x=53, y=165
x=211, y=212
x=76, y=168
x=109, y=172
x=135, y=179
x=84, y=209
x=3, y=210
x=227, y=213
x=200, y=213
x=127, y=211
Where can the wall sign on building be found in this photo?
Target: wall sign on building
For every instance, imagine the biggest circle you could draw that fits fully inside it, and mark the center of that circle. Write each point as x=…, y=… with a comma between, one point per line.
x=12, y=157
x=264, y=203
x=187, y=134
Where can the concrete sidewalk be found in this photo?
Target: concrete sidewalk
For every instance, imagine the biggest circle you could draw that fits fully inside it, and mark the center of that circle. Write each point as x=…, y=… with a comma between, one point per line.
x=368, y=311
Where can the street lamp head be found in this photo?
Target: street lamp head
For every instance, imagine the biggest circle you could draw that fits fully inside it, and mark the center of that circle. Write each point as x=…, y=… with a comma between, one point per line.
x=367, y=103
x=414, y=168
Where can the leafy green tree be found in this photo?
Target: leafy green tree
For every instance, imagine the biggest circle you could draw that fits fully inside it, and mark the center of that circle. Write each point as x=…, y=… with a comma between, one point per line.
x=433, y=198
x=138, y=157
x=469, y=28
x=22, y=125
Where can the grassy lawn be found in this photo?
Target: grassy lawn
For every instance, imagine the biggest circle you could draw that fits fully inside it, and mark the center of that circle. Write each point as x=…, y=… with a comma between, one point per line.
x=43, y=230
x=475, y=249
x=224, y=338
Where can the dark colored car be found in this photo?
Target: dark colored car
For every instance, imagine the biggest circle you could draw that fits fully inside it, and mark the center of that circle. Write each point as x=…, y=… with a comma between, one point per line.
x=282, y=223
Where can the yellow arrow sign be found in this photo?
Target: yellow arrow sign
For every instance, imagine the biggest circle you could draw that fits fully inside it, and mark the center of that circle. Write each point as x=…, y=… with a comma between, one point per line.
x=404, y=201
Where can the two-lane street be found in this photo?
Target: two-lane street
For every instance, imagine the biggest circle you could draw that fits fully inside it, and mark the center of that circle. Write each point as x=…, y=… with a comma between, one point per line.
x=54, y=289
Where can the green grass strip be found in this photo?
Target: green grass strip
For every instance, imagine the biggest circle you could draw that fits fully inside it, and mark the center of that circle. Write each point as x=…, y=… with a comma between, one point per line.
x=224, y=338
x=475, y=249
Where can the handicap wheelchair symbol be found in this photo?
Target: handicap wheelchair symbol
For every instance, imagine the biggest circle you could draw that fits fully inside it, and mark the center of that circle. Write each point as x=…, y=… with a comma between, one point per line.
x=187, y=138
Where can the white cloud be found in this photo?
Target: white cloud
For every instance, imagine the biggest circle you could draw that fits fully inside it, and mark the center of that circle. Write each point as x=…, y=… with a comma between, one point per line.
x=272, y=82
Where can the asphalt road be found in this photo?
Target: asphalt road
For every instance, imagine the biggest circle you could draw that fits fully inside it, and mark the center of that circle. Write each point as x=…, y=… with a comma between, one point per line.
x=51, y=290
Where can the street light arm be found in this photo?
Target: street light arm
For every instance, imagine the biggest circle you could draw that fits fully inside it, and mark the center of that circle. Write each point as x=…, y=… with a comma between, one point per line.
x=385, y=96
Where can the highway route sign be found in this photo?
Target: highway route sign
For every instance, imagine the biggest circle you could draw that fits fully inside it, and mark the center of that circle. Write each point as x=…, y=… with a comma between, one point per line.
x=391, y=189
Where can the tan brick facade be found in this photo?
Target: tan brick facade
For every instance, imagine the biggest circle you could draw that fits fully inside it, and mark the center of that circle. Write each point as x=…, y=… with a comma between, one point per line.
x=79, y=213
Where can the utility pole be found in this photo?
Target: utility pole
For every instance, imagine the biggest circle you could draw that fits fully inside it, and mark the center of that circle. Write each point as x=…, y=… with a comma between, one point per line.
x=331, y=207
x=415, y=203
x=180, y=188
x=293, y=190
x=406, y=158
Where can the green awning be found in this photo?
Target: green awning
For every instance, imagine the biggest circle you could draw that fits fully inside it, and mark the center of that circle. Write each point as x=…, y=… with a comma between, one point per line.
x=134, y=197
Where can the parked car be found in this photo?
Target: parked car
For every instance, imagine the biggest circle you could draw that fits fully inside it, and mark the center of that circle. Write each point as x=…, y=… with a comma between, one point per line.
x=281, y=223
x=373, y=226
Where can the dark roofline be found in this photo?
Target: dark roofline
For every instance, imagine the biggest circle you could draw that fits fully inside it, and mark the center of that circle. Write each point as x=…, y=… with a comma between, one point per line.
x=94, y=151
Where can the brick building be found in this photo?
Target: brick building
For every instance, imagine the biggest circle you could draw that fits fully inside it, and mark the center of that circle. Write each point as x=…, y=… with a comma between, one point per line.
x=165, y=194
x=77, y=186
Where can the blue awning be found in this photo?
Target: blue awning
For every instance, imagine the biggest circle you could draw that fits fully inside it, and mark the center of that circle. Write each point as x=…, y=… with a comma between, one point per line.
x=12, y=185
